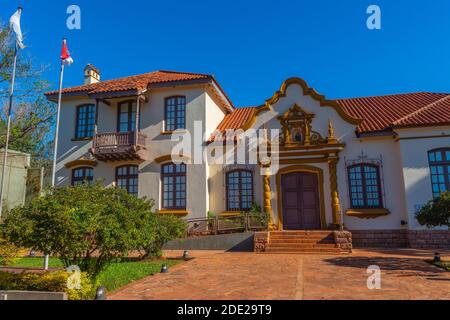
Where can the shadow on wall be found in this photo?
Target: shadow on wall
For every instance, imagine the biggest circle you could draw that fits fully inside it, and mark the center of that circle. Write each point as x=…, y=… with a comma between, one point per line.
x=239, y=242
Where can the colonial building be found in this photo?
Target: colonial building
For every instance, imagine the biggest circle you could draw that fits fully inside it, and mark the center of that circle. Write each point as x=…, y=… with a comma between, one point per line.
x=366, y=163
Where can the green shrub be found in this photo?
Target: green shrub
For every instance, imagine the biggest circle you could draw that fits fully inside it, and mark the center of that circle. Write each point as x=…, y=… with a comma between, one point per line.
x=165, y=228
x=48, y=282
x=8, y=253
x=88, y=226
x=436, y=213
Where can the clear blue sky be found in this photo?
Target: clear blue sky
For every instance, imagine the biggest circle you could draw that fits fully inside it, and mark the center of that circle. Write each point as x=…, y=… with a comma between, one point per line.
x=250, y=46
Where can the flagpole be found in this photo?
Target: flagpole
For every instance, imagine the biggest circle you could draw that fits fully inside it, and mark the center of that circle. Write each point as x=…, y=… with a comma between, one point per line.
x=8, y=130
x=55, y=145
x=58, y=114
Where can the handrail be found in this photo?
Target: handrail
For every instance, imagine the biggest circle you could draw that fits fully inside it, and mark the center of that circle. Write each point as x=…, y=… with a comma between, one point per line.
x=230, y=224
x=118, y=139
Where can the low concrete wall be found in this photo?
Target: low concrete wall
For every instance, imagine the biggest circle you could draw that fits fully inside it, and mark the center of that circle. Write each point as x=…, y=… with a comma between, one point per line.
x=238, y=242
x=32, y=296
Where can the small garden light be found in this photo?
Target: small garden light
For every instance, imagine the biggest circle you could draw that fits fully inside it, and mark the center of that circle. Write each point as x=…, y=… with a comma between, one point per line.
x=164, y=269
x=186, y=255
x=437, y=257
x=101, y=294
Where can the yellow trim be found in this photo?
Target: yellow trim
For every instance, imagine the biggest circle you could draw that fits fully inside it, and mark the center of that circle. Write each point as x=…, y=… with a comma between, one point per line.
x=324, y=159
x=169, y=133
x=81, y=163
x=230, y=214
x=301, y=168
x=168, y=158
x=367, y=213
x=307, y=91
x=322, y=146
x=180, y=213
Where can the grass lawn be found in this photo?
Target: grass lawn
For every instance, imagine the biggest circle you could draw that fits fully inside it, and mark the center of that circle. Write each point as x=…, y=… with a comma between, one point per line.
x=116, y=275
x=36, y=263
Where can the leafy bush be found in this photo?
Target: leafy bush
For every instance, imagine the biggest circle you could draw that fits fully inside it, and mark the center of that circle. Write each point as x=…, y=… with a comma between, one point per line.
x=258, y=216
x=436, y=213
x=48, y=282
x=86, y=226
x=165, y=228
x=8, y=253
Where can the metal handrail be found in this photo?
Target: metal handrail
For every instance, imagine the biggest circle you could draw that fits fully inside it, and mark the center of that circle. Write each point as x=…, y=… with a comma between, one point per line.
x=230, y=224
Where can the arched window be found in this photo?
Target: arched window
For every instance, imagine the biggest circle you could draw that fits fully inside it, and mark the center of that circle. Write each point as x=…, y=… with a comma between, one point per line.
x=239, y=190
x=173, y=186
x=82, y=175
x=127, y=177
x=440, y=170
x=365, y=186
x=85, y=124
x=175, y=113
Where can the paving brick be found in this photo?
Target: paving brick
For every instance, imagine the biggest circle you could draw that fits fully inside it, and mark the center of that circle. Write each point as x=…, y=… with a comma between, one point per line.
x=248, y=276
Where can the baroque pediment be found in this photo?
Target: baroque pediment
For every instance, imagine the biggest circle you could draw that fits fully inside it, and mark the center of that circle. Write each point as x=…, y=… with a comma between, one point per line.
x=297, y=129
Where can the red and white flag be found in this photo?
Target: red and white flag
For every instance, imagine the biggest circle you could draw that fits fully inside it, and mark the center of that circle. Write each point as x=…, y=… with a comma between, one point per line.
x=65, y=55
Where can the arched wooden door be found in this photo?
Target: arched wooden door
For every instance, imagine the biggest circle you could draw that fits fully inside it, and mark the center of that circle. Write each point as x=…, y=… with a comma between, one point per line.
x=301, y=201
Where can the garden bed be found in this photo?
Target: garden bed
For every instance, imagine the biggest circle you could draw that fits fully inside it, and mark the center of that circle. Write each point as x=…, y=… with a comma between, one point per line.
x=115, y=276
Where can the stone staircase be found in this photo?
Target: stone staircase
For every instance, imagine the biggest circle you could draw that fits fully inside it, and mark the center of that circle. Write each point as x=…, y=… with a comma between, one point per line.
x=303, y=242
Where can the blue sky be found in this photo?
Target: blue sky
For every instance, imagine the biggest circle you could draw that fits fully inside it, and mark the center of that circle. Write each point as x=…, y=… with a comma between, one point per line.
x=250, y=46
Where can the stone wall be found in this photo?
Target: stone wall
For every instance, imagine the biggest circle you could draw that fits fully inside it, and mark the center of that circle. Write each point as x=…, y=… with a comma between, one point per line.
x=261, y=241
x=420, y=239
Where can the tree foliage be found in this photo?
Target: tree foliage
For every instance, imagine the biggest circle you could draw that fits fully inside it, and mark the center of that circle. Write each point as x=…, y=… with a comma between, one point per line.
x=87, y=226
x=33, y=116
x=436, y=213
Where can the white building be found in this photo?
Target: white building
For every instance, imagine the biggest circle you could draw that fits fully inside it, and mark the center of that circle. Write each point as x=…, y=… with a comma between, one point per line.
x=368, y=163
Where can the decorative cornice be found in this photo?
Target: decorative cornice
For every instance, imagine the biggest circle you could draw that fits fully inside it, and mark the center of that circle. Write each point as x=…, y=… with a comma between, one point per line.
x=307, y=91
x=81, y=163
x=367, y=213
x=169, y=157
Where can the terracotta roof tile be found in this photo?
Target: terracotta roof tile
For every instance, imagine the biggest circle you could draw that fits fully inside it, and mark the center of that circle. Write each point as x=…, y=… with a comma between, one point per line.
x=386, y=112
x=137, y=82
x=235, y=120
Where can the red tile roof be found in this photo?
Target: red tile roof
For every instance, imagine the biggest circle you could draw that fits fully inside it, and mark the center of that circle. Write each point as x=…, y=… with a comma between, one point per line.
x=138, y=82
x=401, y=110
x=235, y=120
x=379, y=114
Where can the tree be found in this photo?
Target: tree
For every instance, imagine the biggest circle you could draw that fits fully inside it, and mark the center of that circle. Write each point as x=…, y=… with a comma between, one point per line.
x=33, y=116
x=85, y=226
x=436, y=213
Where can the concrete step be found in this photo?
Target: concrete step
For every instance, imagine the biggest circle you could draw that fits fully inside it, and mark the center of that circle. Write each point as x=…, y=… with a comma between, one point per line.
x=298, y=237
x=301, y=241
x=302, y=245
x=303, y=233
x=288, y=250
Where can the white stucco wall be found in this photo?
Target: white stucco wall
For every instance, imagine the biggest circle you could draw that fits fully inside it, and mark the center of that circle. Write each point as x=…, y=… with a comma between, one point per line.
x=199, y=107
x=415, y=145
x=387, y=151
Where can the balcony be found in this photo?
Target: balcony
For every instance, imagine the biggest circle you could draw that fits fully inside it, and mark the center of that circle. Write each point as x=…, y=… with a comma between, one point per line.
x=110, y=147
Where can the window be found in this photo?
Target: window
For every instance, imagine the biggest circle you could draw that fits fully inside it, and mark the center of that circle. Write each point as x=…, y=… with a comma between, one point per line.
x=175, y=113
x=85, y=125
x=440, y=171
x=127, y=117
x=239, y=190
x=127, y=178
x=82, y=175
x=174, y=186
x=365, y=186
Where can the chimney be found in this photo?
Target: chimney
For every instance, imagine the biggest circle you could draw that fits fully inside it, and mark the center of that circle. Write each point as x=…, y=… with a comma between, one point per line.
x=91, y=74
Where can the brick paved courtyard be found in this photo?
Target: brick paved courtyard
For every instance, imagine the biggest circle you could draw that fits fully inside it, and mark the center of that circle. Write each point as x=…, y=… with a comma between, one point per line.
x=243, y=276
